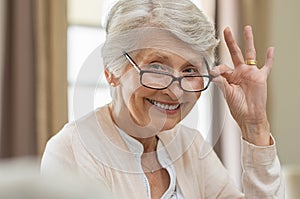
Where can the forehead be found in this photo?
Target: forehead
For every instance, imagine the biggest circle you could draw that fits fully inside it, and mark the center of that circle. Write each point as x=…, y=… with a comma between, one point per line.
x=149, y=53
x=167, y=56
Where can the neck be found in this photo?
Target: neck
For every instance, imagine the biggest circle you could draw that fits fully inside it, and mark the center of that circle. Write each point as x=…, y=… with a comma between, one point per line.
x=149, y=144
x=148, y=136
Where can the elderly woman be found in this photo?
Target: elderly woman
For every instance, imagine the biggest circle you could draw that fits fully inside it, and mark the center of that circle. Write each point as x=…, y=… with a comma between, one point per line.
x=158, y=59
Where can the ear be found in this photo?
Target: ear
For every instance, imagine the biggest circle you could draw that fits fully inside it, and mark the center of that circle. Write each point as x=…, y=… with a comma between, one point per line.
x=110, y=78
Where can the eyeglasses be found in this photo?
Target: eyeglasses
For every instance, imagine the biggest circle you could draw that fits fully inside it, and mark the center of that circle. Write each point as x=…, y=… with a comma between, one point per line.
x=154, y=79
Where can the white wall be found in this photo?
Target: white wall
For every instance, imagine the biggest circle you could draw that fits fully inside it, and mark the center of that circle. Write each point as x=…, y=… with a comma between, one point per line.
x=284, y=94
x=276, y=23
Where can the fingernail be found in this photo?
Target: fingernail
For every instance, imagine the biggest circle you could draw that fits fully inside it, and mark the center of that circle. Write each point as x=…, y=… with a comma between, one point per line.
x=214, y=72
x=248, y=27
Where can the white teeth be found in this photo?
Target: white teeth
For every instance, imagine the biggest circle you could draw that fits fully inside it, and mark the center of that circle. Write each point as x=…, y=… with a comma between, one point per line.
x=164, y=106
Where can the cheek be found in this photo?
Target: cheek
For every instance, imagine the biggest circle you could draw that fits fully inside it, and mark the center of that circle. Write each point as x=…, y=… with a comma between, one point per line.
x=137, y=99
x=129, y=83
x=192, y=99
x=139, y=109
x=196, y=97
x=130, y=80
x=133, y=92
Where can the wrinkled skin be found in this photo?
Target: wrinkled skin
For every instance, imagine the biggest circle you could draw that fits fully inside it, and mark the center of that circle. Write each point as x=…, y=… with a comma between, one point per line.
x=245, y=88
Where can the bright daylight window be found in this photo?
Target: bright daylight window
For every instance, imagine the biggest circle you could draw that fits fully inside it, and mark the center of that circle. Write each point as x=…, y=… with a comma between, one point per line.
x=82, y=40
x=85, y=34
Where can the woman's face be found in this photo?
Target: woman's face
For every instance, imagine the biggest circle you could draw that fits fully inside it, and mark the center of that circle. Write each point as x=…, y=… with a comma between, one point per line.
x=159, y=109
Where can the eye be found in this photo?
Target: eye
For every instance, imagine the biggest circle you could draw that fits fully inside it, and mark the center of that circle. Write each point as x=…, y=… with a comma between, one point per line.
x=158, y=67
x=191, y=71
x=155, y=67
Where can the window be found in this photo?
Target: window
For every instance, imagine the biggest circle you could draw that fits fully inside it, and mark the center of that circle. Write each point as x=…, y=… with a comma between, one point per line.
x=85, y=91
x=86, y=86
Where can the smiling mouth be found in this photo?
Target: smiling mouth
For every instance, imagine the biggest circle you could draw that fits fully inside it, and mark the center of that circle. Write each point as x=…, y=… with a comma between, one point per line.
x=167, y=107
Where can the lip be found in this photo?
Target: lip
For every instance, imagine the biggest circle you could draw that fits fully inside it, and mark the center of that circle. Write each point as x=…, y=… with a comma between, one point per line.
x=165, y=107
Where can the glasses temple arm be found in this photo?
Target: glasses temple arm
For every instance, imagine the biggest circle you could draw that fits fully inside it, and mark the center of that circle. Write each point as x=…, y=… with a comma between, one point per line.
x=131, y=61
x=208, y=69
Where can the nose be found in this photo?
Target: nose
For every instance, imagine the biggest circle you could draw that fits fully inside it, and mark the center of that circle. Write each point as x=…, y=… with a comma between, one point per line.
x=174, y=91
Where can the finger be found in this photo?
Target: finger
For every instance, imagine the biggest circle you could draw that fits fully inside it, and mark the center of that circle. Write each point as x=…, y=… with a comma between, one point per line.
x=235, y=51
x=250, y=52
x=269, y=61
x=224, y=71
x=220, y=69
x=223, y=85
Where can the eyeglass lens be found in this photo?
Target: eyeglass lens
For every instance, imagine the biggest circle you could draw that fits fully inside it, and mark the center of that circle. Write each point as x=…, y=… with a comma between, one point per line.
x=161, y=81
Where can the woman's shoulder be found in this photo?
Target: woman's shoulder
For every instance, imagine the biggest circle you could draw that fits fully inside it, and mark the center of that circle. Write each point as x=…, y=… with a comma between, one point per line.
x=70, y=130
x=188, y=133
x=61, y=141
x=198, y=143
x=184, y=140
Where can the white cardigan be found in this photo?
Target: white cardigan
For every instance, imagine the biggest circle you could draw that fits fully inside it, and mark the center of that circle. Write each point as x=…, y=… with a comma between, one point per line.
x=93, y=147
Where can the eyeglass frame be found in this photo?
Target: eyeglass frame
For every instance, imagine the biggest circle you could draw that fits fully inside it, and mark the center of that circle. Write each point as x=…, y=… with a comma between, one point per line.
x=179, y=79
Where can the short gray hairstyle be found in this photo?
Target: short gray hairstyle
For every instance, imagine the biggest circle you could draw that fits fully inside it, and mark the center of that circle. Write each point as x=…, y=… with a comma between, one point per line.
x=180, y=17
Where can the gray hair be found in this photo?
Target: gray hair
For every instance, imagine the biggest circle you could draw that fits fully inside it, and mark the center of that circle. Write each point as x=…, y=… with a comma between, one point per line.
x=128, y=20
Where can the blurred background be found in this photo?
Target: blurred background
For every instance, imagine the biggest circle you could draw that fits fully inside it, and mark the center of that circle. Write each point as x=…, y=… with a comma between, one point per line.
x=44, y=43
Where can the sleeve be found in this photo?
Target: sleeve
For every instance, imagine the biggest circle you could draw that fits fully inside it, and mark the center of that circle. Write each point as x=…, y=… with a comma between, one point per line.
x=262, y=177
x=218, y=182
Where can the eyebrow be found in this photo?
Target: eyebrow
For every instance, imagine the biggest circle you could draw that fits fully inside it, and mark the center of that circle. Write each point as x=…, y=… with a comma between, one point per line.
x=156, y=54
x=162, y=57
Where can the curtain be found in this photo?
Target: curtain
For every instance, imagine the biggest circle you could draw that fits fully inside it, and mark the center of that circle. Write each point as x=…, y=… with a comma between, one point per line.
x=51, y=61
x=226, y=130
x=2, y=35
x=18, y=82
x=34, y=85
